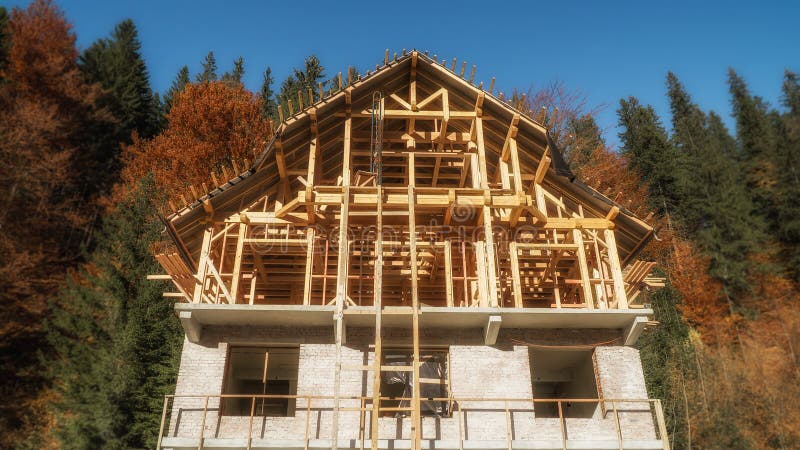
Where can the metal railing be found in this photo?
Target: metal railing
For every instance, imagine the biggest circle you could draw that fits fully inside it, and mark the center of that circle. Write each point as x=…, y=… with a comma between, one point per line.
x=645, y=417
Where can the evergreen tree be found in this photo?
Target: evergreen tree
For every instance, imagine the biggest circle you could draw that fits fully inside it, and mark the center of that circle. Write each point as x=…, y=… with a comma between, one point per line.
x=209, y=72
x=235, y=76
x=114, y=338
x=756, y=137
x=268, y=104
x=787, y=195
x=715, y=206
x=301, y=81
x=180, y=82
x=646, y=145
x=117, y=65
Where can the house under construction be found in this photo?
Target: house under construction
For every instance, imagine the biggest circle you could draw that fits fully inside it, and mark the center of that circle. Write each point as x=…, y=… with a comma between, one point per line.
x=409, y=264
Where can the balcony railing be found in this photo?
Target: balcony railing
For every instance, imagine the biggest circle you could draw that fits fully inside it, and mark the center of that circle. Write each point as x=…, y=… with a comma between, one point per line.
x=200, y=421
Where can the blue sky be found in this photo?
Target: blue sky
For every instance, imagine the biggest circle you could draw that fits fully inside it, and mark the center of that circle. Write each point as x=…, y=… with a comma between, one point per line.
x=606, y=49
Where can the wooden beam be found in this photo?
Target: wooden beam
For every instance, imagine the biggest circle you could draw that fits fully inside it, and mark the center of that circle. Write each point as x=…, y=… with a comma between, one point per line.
x=448, y=272
x=202, y=266
x=541, y=170
x=237, y=262
x=616, y=270
x=583, y=267
x=515, y=278
x=307, y=286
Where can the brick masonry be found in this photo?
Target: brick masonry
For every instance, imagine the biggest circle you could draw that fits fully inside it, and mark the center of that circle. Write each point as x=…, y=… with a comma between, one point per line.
x=476, y=371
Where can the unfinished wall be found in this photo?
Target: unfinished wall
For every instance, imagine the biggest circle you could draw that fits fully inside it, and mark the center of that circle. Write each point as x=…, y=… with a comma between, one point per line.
x=477, y=371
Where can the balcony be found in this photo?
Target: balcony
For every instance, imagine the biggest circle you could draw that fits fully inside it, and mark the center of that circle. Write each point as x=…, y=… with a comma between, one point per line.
x=470, y=423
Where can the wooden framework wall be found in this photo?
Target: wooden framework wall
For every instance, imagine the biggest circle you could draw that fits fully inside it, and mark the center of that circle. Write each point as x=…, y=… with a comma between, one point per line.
x=451, y=216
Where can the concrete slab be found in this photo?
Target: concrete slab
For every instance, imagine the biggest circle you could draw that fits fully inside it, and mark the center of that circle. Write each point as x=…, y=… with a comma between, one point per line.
x=197, y=316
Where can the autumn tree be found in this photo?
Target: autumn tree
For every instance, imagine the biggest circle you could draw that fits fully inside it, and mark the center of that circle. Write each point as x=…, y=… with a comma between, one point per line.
x=209, y=126
x=45, y=109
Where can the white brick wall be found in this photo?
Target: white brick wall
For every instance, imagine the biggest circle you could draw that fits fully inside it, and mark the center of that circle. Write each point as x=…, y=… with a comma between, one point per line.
x=477, y=371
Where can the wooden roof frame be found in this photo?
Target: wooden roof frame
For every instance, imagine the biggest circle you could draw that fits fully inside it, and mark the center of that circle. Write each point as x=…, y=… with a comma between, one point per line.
x=266, y=173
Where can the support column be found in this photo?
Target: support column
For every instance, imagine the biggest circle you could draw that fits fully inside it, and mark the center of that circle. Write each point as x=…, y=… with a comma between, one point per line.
x=586, y=285
x=616, y=270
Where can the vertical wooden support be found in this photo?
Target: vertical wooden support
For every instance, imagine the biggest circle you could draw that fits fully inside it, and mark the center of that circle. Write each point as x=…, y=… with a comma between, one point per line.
x=341, y=294
x=586, y=285
x=348, y=127
x=378, y=289
x=515, y=280
x=448, y=271
x=616, y=270
x=483, y=285
x=416, y=419
x=202, y=265
x=237, y=263
x=313, y=154
x=489, y=265
x=309, y=266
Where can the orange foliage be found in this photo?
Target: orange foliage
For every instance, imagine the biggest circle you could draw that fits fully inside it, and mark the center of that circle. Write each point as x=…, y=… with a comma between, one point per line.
x=44, y=106
x=210, y=125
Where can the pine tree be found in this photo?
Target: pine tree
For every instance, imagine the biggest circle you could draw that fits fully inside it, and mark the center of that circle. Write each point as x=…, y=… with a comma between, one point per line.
x=209, y=72
x=787, y=195
x=236, y=75
x=302, y=81
x=268, y=104
x=714, y=206
x=117, y=65
x=115, y=339
x=757, y=142
x=646, y=145
x=180, y=82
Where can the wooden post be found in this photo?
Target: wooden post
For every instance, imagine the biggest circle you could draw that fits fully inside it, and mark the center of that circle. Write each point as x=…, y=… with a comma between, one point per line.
x=412, y=242
x=489, y=261
x=515, y=277
x=202, y=266
x=448, y=271
x=616, y=270
x=341, y=294
x=237, y=263
x=307, y=286
x=378, y=290
x=586, y=285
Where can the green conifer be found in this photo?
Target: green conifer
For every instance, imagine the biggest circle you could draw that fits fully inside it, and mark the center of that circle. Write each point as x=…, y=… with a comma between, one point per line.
x=180, y=82
x=646, y=145
x=268, y=104
x=209, y=72
x=115, y=340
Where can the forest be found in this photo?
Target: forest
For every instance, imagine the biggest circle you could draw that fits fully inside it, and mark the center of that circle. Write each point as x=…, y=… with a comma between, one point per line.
x=92, y=156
